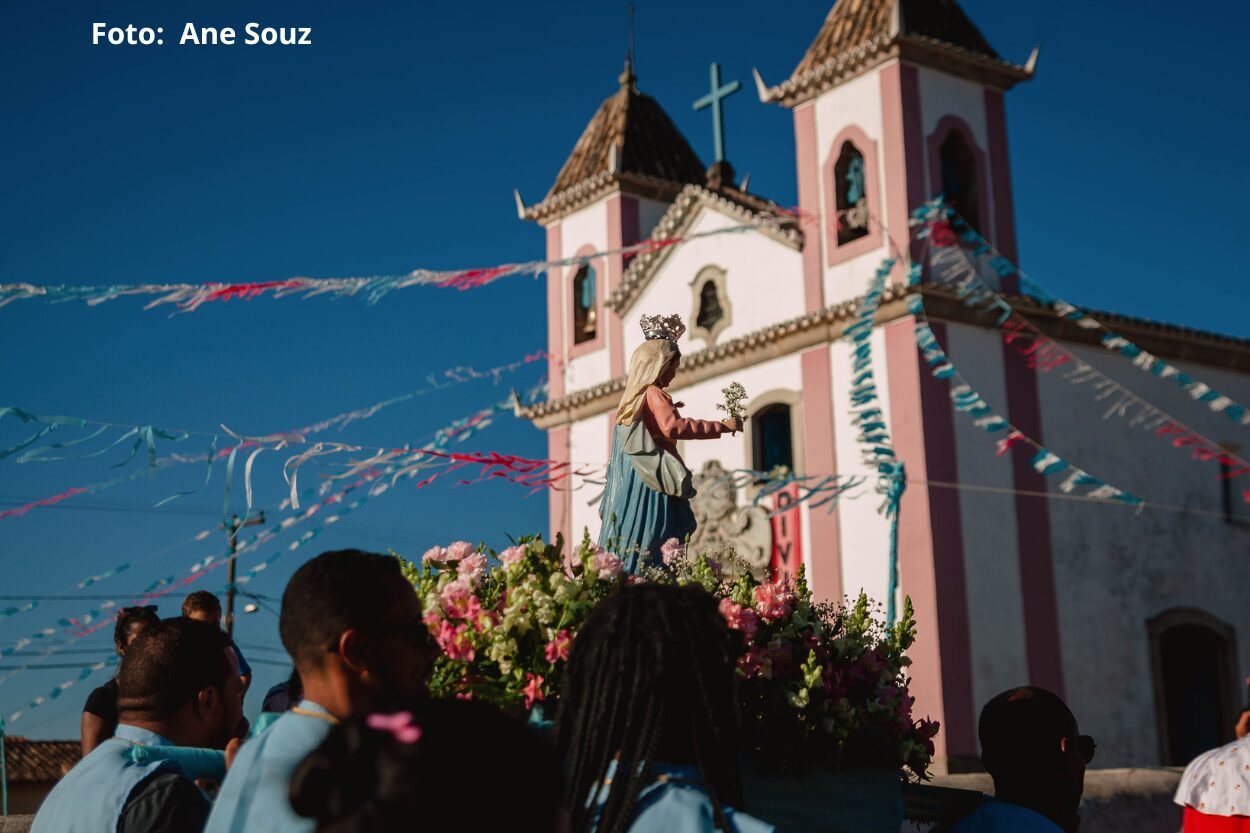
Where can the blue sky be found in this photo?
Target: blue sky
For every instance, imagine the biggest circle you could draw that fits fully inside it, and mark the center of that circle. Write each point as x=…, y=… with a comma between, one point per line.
x=393, y=143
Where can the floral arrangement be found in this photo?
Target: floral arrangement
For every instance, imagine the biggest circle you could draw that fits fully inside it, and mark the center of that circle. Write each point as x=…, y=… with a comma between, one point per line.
x=735, y=395
x=822, y=686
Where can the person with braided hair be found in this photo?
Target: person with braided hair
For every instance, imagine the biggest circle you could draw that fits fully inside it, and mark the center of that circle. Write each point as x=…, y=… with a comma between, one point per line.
x=99, y=713
x=648, y=718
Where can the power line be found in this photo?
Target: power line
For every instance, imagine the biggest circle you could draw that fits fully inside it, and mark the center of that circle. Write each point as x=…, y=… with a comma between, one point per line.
x=36, y=597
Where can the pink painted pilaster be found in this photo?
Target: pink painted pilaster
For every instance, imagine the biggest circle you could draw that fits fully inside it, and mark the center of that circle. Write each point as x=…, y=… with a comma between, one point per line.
x=931, y=559
x=819, y=455
x=1000, y=171
x=902, y=152
x=560, y=502
x=622, y=226
x=555, y=316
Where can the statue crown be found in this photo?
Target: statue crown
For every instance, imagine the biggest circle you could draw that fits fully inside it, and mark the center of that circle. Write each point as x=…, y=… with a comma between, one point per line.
x=662, y=326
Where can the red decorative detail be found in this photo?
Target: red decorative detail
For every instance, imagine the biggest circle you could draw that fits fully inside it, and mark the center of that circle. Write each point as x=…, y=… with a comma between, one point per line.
x=787, y=535
x=251, y=290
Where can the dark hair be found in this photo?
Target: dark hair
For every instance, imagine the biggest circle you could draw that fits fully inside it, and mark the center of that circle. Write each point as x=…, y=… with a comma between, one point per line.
x=168, y=665
x=650, y=677
x=201, y=601
x=334, y=592
x=363, y=779
x=127, y=617
x=1020, y=731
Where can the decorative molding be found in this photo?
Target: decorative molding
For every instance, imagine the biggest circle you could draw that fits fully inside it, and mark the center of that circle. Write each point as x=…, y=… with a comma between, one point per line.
x=600, y=185
x=678, y=219
x=884, y=47
x=829, y=324
x=717, y=276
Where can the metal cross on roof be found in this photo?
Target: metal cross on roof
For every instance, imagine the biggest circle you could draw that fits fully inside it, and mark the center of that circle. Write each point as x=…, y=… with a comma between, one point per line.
x=713, y=100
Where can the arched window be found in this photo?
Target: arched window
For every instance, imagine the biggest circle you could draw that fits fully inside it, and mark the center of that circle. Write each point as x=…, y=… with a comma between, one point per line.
x=959, y=177
x=585, y=298
x=851, y=194
x=710, y=311
x=1194, y=660
x=772, y=438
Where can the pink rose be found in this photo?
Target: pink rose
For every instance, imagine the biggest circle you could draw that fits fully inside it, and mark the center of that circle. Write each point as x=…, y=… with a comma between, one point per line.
x=455, y=642
x=773, y=601
x=512, y=555
x=458, y=550
x=533, y=690
x=672, y=551
x=472, y=567
x=608, y=565
x=558, y=648
x=434, y=554
x=458, y=601
x=739, y=618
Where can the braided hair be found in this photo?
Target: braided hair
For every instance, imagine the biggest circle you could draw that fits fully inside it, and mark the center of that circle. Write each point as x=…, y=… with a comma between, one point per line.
x=127, y=619
x=650, y=678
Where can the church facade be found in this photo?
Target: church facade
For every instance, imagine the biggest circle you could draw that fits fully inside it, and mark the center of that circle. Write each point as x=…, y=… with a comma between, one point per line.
x=1139, y=619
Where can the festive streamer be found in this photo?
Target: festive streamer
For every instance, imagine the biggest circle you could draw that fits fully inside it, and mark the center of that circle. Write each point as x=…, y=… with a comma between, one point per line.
x=815, y=490
x=187, y=297
x=968, y=401
x=955, y=269
x=874, y=436
x=58, y=690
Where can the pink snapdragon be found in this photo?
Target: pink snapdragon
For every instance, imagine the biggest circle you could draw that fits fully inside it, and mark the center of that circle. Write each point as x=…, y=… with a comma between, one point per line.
x=458, y=550
x=558, y=648
x=773, y=601
x=512, y=555
x=472, y=567
x=672, y=551
x=533, y=690
x=455, y=642
x=607, y=564
x=740, y=618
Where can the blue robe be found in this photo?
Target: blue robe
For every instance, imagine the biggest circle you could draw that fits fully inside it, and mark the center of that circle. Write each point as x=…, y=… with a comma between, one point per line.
x=637, y=517
x=1001, y=817
x=676, y=802
x=255, y=797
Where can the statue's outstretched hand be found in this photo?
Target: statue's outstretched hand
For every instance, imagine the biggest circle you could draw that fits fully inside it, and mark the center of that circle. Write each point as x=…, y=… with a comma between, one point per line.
x=734, y=424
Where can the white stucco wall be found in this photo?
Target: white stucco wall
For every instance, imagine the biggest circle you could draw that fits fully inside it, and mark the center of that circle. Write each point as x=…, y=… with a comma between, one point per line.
x=855, y=103
x=988, y=525
x=864, y=532
x=586, y=227
x=764, y=279
x=588, y=442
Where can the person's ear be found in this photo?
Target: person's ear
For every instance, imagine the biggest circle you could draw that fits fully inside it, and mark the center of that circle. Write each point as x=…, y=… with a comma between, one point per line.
x=354, y=650
x=208, y=701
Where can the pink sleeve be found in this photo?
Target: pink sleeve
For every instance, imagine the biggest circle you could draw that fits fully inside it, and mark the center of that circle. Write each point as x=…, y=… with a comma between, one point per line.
x=664, y=420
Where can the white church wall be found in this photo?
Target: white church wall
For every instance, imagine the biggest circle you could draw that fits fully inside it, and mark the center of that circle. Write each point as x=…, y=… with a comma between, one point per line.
x=581, y=229
x=855, y=103
x=988, y=525
x=764, y=280
x=864, y=532
x=589, y=443
x=1114, y=569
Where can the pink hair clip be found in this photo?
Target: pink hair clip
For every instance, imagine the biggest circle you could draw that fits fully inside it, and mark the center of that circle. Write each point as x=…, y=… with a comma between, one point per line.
x=398, y=724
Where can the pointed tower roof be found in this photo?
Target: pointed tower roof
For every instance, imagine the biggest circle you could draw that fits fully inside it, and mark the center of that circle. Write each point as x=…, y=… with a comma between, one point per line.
x=630, y=141
x=858, y=34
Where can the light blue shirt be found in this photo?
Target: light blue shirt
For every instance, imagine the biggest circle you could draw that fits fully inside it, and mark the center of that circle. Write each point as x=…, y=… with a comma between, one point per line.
x=255, y=797
x=92, y=795
x=1001, y=817
x=676, y=802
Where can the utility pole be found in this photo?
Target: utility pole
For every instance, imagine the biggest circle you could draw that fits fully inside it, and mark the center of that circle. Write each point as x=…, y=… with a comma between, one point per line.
x=233, y=530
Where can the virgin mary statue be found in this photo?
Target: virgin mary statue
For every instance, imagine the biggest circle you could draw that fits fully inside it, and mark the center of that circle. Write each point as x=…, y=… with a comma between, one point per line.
x=647, y=499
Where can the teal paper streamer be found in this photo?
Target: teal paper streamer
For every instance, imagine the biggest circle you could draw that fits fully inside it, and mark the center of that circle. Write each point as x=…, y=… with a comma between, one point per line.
x=38, y=454
x=208, y=475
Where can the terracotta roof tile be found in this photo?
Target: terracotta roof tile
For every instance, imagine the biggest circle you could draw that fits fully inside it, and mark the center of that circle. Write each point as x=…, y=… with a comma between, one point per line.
x=853, y=23
x=39, y=760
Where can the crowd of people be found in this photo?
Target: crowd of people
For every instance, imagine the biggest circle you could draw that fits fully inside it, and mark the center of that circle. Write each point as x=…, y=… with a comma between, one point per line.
x=645, y=739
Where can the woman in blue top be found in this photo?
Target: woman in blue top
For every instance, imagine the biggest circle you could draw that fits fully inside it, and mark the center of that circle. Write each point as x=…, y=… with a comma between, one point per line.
x=648, y=720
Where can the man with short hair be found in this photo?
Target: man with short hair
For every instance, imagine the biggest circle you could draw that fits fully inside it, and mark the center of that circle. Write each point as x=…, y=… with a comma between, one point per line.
x=206, y=607
x=178, y=685
x=1033, y=749
x=352, y=623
